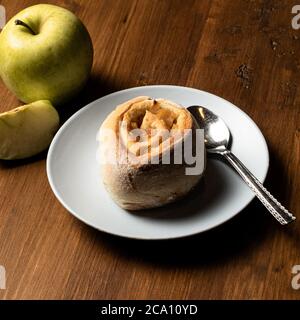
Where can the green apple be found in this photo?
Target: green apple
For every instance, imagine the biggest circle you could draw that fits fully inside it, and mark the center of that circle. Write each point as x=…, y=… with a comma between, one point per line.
x=27, y=130
x=45, y=53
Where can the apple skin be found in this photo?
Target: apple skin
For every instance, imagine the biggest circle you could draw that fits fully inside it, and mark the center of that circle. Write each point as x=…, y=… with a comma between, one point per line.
x=27, y=130
x=53, y=64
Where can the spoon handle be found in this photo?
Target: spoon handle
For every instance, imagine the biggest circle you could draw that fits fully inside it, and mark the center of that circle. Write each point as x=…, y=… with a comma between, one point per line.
x=276, y=209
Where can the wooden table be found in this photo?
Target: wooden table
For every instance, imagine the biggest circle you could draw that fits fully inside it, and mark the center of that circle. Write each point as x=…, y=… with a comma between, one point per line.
x=244, y=51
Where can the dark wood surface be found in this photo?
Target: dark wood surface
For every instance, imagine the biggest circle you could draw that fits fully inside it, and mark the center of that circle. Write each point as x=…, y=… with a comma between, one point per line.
x=244, y=51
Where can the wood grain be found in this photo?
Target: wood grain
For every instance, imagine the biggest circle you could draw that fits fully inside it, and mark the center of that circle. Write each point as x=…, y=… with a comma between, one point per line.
x=244, y=51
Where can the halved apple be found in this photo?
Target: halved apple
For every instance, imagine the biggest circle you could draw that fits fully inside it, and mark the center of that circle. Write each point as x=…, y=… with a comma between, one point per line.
x=27, y=130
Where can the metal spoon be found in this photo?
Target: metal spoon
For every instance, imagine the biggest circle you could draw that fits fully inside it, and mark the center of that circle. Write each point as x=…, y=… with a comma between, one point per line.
x=217, y=137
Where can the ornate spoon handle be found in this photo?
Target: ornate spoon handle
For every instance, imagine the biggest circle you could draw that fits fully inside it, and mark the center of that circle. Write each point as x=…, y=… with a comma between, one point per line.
x=274, y=206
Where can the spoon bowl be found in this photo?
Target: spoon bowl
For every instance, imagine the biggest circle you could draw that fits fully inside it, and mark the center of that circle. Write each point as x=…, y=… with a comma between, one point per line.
x=216, y=133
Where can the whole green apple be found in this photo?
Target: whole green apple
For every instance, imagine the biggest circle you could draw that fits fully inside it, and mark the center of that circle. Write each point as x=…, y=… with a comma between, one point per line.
x=46, y=53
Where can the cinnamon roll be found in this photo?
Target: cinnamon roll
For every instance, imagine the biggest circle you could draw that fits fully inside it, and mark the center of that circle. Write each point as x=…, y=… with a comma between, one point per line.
x=143, y=145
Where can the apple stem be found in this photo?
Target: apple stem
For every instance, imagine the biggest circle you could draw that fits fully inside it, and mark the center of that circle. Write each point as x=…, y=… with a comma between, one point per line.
x=21, y=23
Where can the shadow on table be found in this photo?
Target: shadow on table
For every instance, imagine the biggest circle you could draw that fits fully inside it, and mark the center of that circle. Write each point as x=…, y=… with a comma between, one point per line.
x=96, y=87
x=242, y=234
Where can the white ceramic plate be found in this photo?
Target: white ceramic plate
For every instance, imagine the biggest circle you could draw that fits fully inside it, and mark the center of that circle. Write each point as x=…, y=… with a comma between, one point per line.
x=74, y=178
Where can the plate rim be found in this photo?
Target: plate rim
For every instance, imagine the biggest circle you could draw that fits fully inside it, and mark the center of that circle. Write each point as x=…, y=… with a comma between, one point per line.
x=90, y=105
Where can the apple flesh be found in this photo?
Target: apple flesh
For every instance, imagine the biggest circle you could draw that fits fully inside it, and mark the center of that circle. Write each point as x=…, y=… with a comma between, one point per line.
x=45, y=53
x=27, y=130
